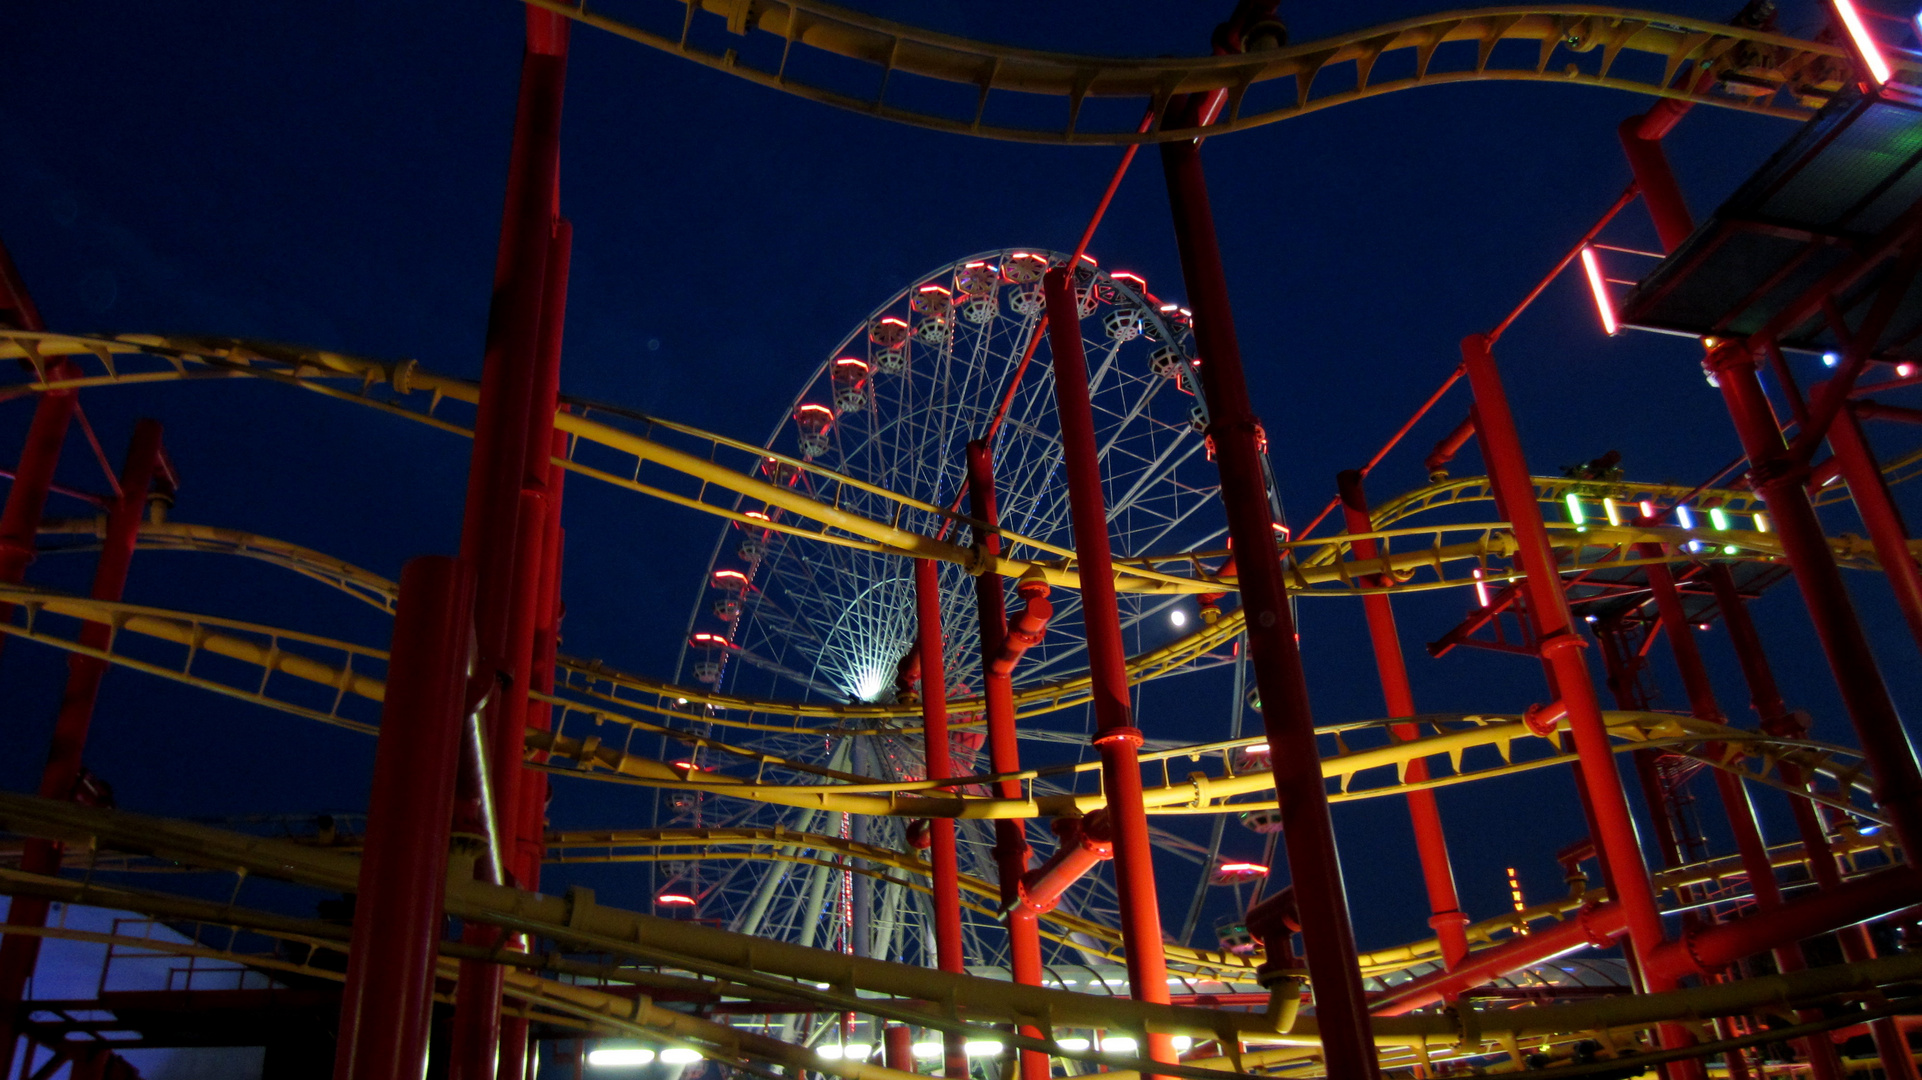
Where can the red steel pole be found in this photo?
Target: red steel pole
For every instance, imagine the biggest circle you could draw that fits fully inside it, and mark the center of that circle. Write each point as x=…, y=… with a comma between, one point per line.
x=948, y=949
x=1779, y=480
x=60, y=779
x=1004, y=751
x=387, y=1001
x=1562, y=649
x=1314, y=864
x=506, y=513
x=1116, y=737
x=1872, y=500
x=1655, y=180
x=897, y=1043
x=1424, y=813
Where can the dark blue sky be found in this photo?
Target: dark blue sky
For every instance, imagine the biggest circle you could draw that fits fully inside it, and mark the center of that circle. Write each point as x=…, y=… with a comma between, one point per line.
x=332, y=175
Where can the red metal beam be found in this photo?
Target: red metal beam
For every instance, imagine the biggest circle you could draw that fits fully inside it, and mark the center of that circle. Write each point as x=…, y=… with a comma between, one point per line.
x=948, y=949
x=1424, y=812
x=1313, y=861
x=1004, y=748
x=388, y=997
x=1116, y=738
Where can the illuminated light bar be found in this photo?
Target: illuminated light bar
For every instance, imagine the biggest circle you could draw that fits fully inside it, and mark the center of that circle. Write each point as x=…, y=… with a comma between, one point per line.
x=982, y=1047
x=1182, y=1043
x=1718, y=519
x=1073, y=1045
x=674, y=899
x=927, y=1049
x=1118, y=1044
x=1134, y=281
x=616, y=1056
x=1281, y=531
x=1702, y=627
x=1576, y=515
x=1682, y=515
x=1648, y=509
x=888, y=320
x=1243, y=868
x=1730, y=549
x=730, y=579
x=1481, y=588
x=1761, y=522
x=757, y=515
x=1614, y=512
x=1515, y=895
x=1905, y=369
x=704, y=640
x=680, y=1055
x=1596, y=285
x=1864, y=43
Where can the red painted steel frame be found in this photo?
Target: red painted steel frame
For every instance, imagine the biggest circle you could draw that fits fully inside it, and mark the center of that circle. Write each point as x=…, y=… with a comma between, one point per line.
x=1736, y=807
x=61, y=777
x=1004, y=749
x=1561, y=651
x=1779, y=480
x=1314, y=865
x=506, y=514
x=948, y=949
x=1424, y=813
x=1870, y=490
x=897, y=1044
x=1116, y=737
x=386, y=1003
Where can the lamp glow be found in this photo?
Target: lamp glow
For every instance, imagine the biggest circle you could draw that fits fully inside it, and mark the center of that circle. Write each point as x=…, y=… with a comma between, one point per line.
x=1481, y=588
x=1761, y=522
x=1718, y=519
x=1599, y=287
x=1178, y=617
x=1830, y=359
x=615, y=1056
x=1614, y=512
x=1118, y=1044
x=1182, y=1043
x=1864, y=43
x=680, y=1055
x=927, y=1049
x=1576, y=515
x=1683, y=516
x=1073, y=1045
x=982, y=1048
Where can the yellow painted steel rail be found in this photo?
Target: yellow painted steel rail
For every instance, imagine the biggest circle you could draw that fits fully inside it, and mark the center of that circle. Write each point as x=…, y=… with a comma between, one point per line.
x=862, y=63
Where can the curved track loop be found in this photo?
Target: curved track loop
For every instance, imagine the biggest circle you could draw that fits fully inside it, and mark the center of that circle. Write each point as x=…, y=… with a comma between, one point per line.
x=248, y=657
x=821, y=52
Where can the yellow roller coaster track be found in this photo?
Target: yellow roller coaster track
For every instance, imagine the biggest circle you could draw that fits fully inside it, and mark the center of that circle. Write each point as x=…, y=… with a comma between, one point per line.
x=687, y=952
x=250, y=656
x=821, y=52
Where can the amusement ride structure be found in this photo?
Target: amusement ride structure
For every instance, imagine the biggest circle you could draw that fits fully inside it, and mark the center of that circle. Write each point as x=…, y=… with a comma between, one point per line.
x=892, y=803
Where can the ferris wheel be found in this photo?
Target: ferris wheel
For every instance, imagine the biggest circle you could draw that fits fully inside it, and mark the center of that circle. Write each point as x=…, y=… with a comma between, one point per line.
x=888, y=413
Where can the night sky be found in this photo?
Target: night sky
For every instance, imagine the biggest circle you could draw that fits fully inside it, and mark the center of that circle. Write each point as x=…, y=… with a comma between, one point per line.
x=332, y=175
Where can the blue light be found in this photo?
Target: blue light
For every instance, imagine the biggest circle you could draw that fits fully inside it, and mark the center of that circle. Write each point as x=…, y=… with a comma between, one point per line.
x=1830, y=359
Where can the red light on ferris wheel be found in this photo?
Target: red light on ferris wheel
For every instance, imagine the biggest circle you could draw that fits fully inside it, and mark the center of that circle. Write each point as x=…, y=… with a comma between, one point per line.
x=674, y=900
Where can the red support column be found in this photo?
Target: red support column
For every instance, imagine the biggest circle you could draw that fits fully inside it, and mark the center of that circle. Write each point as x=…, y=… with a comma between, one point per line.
x=948, y=950
x=388, y=998
x=1736, y=807
x=1314, y=864
x=1872, y=500
x=61, y=777
x=1779, y=480
x=1004, y=751
x=1116, y=737
x=897, y=1042
x=1778, y=720
x=1561, y=648
x=1655, y=180
x=33, y=476
x=1431, y=843
x=506, y=515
